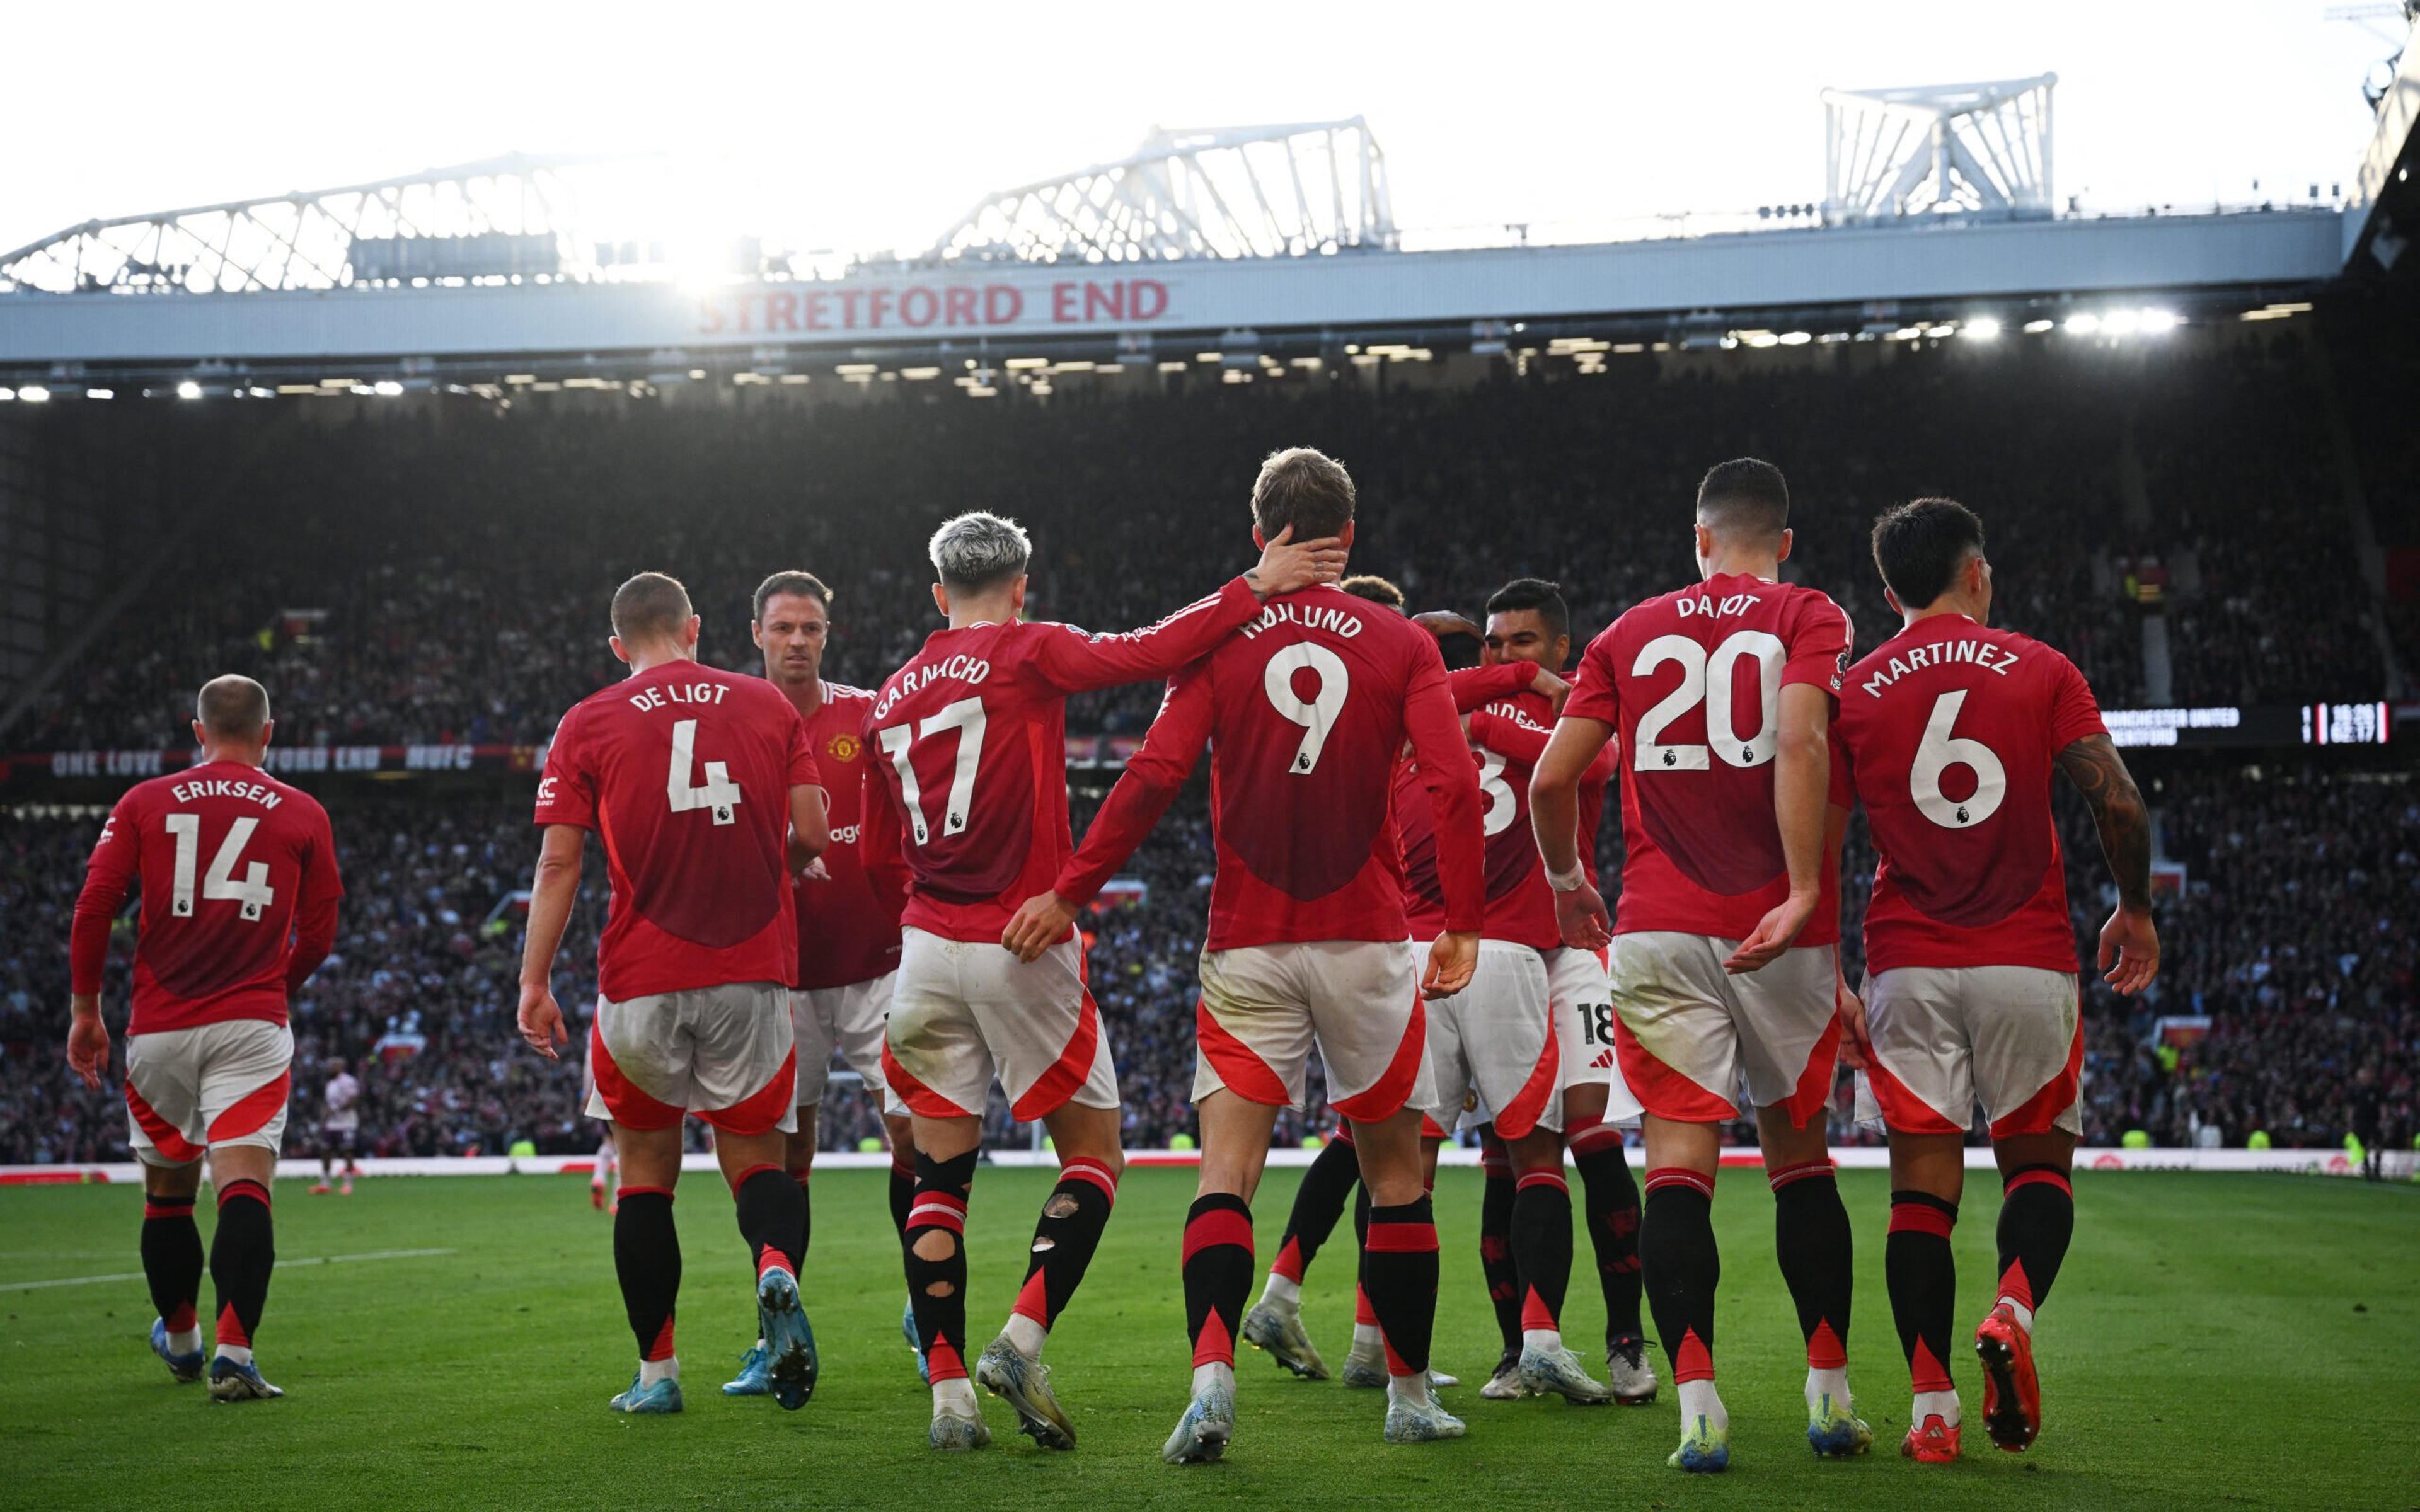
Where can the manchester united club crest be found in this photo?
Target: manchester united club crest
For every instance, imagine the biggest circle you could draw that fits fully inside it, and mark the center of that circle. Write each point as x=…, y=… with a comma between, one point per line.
x=842, y=747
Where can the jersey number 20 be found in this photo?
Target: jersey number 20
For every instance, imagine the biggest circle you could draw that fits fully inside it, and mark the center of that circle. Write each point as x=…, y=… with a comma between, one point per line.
x=1708, y=677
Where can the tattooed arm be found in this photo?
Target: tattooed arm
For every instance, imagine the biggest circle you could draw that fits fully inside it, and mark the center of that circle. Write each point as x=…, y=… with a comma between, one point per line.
x=2129, y=946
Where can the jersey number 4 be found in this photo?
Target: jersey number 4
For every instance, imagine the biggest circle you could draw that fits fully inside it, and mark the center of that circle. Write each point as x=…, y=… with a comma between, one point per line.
x=253, y=892
x=718, y=793
x=1708, y=677
x=966, y=717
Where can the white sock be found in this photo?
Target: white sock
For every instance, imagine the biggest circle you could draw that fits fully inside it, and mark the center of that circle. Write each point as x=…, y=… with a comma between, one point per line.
x=667, y=1368
x=1413, y=1388
x=1367, y=1340
x=185, y=1340
x=1549, y=1339
x=1214, y=1374
x=1833, y=1382
x=1282, y=1292
x=2025, y=1314
x=240, y=1353
x=1939, y=1404
x=1026, y=1335
x=954, y=1397
x=1697, y=1400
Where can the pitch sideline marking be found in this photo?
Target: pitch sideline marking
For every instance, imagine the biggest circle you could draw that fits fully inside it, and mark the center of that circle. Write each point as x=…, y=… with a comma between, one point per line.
x=310, y=1259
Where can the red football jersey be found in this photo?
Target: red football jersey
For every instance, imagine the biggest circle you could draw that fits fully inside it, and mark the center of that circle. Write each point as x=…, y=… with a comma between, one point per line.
x=848, y=922
x=1504, y=691
x=971, y=739
x=1304, y=713
x=1951, y=733
x=231, y=860
x=1691, y=682
x=1507, y=737
x=685, y=771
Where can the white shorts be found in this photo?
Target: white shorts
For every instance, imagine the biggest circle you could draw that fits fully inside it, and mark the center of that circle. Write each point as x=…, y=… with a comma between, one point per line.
x=847, y=1019
x=963, y=1011
x=1689, y=1033
x=1496, y=1039
x=215, y=1083
x=1582, y=993
x=1264, y=1006
x=726, y=1054
x=1947, y=1037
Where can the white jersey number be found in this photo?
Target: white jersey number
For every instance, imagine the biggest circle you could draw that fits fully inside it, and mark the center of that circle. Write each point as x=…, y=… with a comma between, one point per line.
x=1317, y=716
x=966, y=717
x=1941, y=750
x=720, y=793
x=1502, y=802
x=253, y=892
x=1708, y=677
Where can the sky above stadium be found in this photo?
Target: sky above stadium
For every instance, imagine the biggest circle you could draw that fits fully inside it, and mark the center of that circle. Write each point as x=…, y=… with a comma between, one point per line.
x=866, y=127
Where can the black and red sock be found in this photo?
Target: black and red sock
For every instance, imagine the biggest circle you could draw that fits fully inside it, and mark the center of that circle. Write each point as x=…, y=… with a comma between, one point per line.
x=1218, y=1261
x=1497, y=1264
x=2037, y=1221
x=1064, y=1238
x=647, y=1261
x=1318, y=1203
x=902, y=1188
x=1681, y=1267
x=1399, y=1271
x=772, y=1212
x=936, y=1288
x=172, y=1260
x=244, y=1252
x=1609, y=1201
x=1922, y=1274
x=1541, y=1247
x=1812, y=1239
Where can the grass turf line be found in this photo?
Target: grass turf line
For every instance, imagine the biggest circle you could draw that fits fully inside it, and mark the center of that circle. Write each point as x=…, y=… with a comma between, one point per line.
x=2214, y=1341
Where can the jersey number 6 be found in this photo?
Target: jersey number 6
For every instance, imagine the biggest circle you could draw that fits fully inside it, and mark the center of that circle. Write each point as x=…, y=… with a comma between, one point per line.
x=1941, y=750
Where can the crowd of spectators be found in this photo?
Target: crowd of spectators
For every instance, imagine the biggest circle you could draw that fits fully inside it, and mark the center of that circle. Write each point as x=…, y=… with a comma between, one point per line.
x=462, y=554
x=456, y=560
x=2286, y=1005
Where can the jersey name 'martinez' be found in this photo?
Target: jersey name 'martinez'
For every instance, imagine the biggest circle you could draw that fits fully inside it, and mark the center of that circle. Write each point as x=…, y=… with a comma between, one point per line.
x=961, y=667
x=1916, y=659
x=1310, y=616
x=219, y=787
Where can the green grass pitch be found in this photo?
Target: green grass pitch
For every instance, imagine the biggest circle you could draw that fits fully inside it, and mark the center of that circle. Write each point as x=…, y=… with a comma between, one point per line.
x=2214, y=1341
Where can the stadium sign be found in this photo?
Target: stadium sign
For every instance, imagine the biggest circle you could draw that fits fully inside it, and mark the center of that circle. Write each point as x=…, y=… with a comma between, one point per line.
x=283, y=761
x=891, y=309
x=2304, y=724
x=416, y=334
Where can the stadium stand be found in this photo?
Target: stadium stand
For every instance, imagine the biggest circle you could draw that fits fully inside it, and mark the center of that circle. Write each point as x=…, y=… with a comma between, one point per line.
x=437, y=572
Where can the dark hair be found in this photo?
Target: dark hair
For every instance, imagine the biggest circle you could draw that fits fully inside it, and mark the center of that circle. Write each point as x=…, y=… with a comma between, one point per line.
x=1309, y=490
x=1376, y=589
x=801, y=584
x=1920, y=547
x=649, y=606
x=1744, y=496
x=1535, y=594
x=233, y=707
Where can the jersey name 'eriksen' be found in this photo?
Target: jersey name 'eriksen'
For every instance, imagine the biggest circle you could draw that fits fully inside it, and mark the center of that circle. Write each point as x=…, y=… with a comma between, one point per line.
x=212, y=787
x=1982, y=654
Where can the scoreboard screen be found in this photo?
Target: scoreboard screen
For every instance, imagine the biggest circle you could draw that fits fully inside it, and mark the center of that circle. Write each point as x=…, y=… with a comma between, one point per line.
x=2276, y=724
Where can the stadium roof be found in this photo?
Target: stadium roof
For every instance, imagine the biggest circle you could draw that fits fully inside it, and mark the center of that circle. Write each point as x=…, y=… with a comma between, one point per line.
x=1253, y=241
